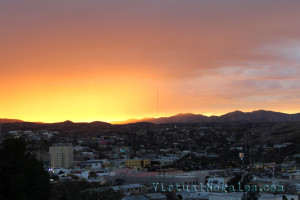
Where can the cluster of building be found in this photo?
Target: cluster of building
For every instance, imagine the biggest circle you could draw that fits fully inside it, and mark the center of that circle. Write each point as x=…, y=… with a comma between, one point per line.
x=131, y=159
x=132, y=177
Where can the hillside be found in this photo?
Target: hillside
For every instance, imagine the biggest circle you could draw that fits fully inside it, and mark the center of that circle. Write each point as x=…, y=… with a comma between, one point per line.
x=4, y=120
x=236, y=116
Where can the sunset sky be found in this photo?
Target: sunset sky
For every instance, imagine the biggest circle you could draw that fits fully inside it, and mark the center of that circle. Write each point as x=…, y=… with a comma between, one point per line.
x=105, y=60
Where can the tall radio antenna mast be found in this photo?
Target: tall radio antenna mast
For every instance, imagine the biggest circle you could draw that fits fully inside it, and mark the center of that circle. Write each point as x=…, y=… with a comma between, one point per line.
x=157, y=103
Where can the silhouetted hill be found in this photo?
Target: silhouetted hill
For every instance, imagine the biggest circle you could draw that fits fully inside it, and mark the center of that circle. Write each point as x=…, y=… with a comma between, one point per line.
x=236, y=116
x=259, y=116
x=4, y=120
x=181, y=118
x=67, y=127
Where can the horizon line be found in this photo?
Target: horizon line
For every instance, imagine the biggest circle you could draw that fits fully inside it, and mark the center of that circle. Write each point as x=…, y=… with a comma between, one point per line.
x=127, y=121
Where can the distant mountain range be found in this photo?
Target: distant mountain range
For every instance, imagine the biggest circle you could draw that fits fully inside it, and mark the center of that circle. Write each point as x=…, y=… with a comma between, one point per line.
x=236, y=116
x=4, y=120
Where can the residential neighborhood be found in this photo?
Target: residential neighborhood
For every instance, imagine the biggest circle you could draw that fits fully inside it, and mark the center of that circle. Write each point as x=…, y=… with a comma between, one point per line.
x=144, y=160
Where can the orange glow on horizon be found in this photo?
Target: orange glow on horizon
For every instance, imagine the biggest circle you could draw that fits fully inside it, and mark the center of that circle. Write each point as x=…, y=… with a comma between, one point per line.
x=106, y=60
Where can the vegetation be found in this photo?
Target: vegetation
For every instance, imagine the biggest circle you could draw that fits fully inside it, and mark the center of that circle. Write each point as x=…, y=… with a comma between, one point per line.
x=24, y=178
x=251, y=195
x=22, y=175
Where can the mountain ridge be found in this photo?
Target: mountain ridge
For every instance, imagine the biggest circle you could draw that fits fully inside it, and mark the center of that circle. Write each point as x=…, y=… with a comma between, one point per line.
x=5, y=120
x=235, y=116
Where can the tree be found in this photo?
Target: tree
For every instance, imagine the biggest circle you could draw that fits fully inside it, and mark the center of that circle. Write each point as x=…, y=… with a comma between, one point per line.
x=251, y=195
x=120, y=181
x=284, y=197
x=92, y=175
x=171, y=196
x=235, y=180
x=22, y=175
x=246, y=180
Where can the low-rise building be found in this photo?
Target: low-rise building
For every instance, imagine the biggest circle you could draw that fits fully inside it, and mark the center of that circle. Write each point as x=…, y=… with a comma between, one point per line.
x=131, y=189
x=137, y=163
